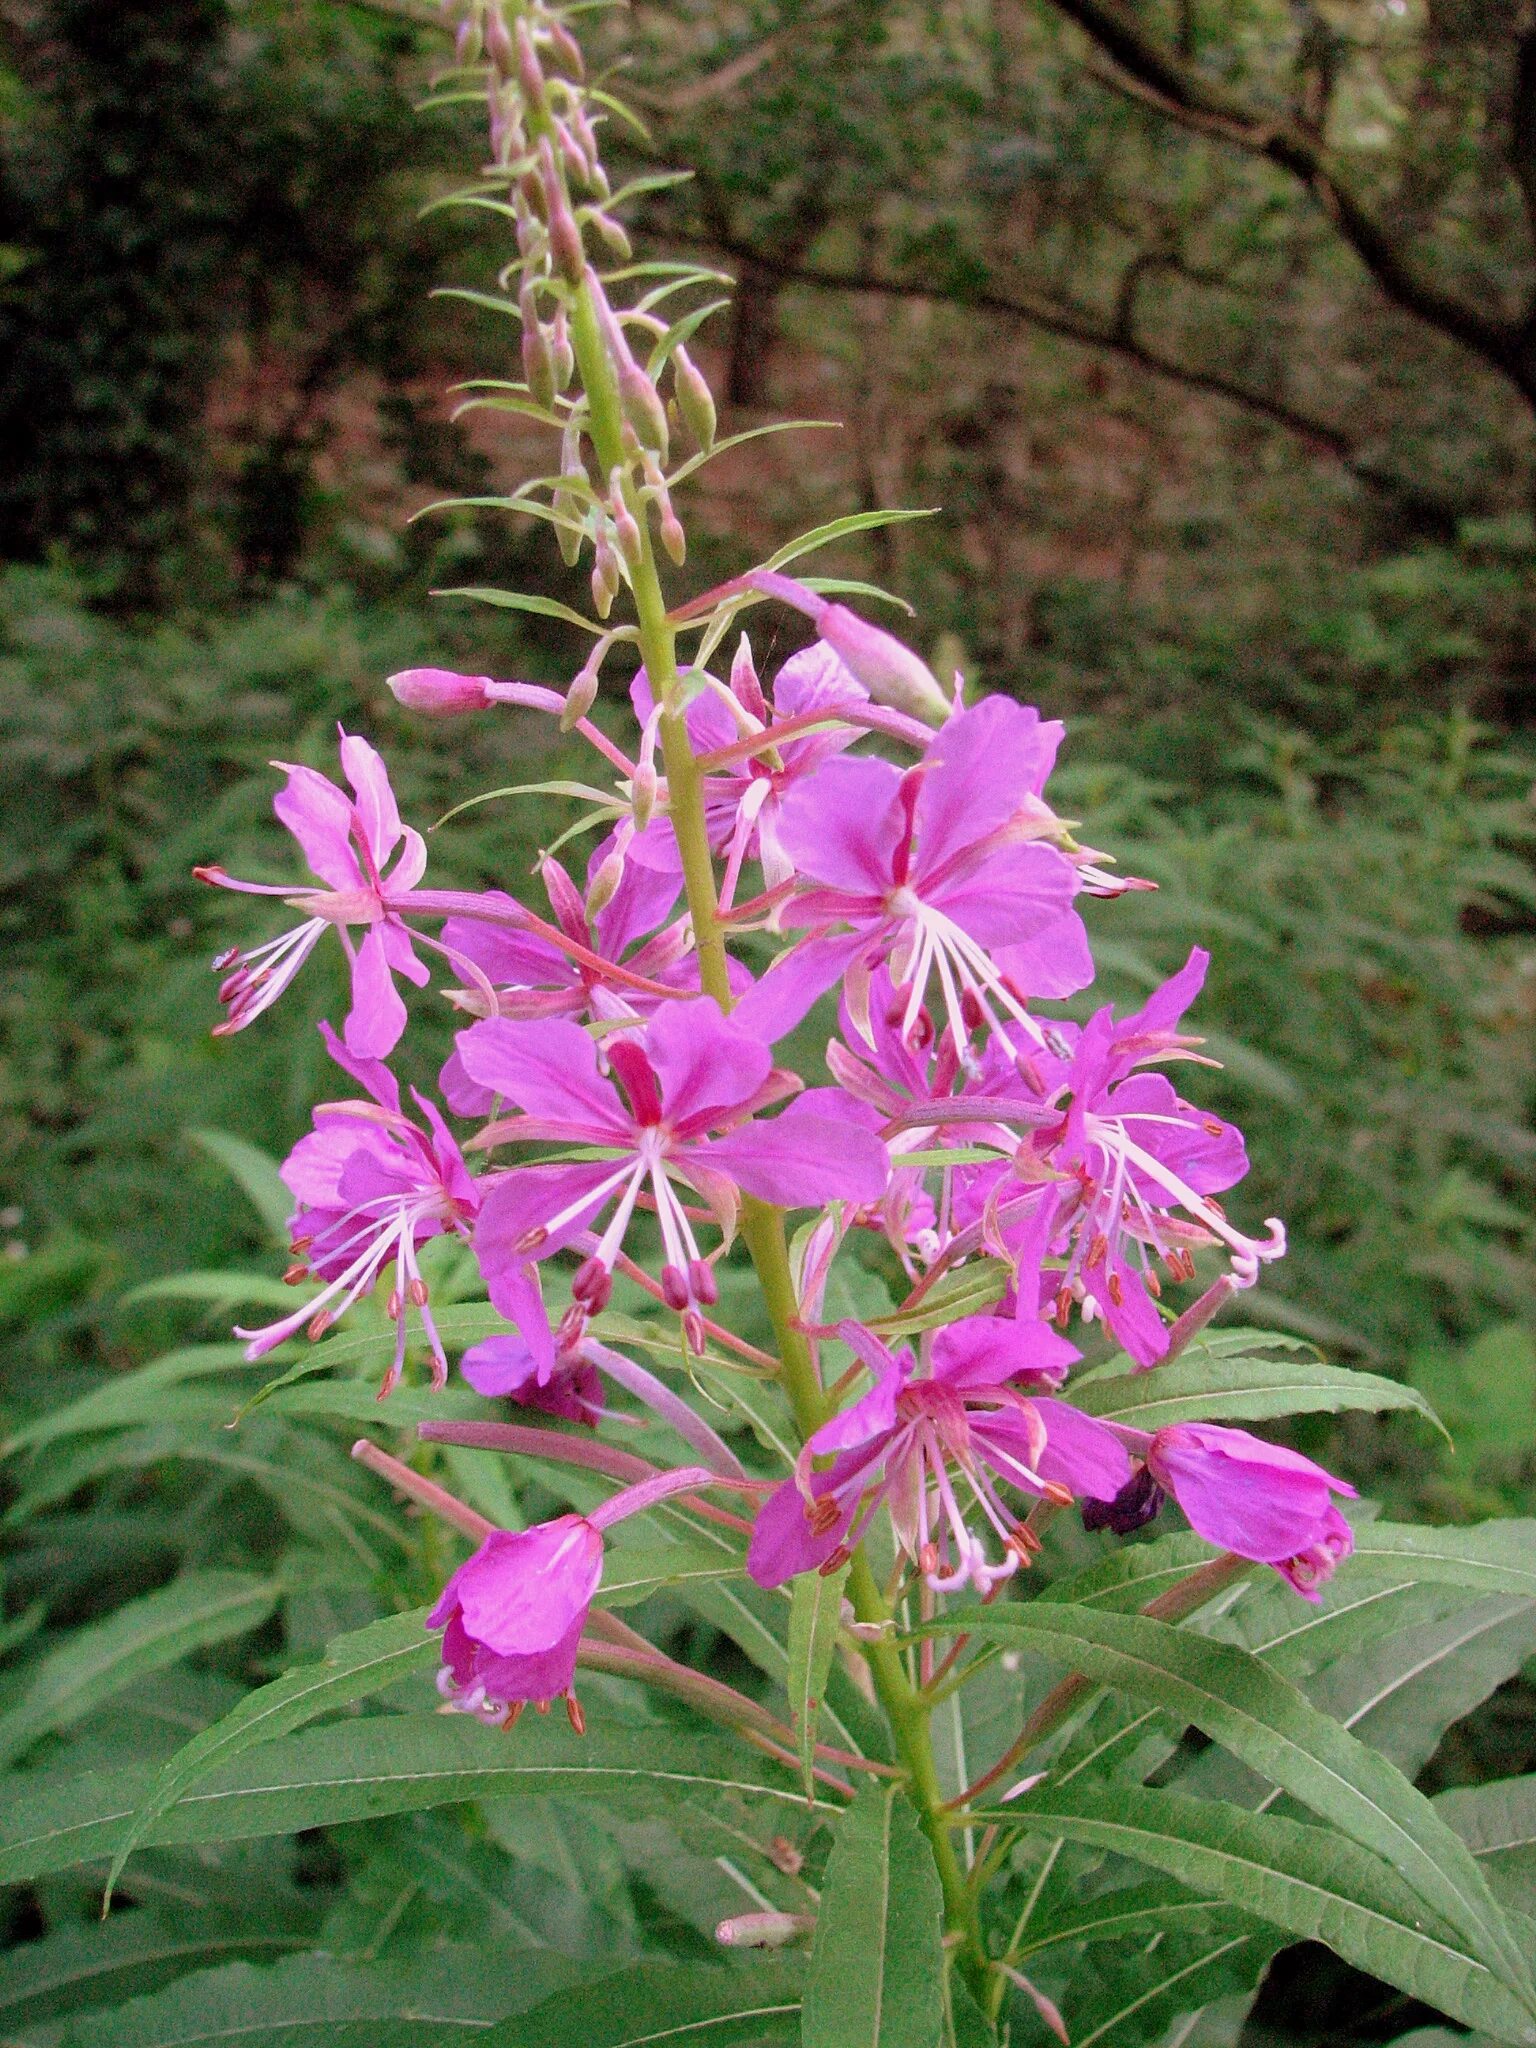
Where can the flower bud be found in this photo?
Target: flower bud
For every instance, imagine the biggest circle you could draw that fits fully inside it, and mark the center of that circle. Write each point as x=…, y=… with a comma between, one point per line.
x=538, y=362
x=582, y=694
x=565, y=246
x=565, y=48
x=626, y=528
x=466, y=42
x=886, y=666
x=605, y=574
x=745, y=687
x=765, y=1930
x=613, y=233
x=530, y=73
x=604, y=885
x=561, y=352
x=498, y=44
x=644, y=786
x=438, y=692
x=673, y=538
x=643, y=407
x=695, y=400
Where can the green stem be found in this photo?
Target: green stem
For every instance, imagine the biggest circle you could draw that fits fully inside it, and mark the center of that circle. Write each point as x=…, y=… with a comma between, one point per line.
x=762, y=1225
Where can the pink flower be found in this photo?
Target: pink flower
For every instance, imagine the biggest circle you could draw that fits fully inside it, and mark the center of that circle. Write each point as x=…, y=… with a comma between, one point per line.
x=743, y=798
x=691, y=1085
x=371, y=1186
x=920, y=1439
x=348, y=842
x=512, y=1615
x=939, y=873
x=1131, y=1170
x=1255, y=1498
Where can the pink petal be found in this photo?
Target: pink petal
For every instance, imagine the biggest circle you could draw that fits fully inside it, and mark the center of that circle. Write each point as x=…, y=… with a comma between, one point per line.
x=778, y=1002
x=524, y=1200
x=842, y=825
x=522, y=1589
x=376, y=1021
x=981, y=767
x=705, y=1064
x=985, y=1351
x=319, y=816
x=1016, y=892
x=800, y=1160
x=370, y=1074
x=548, y=1068
x=376, y=808
x=1081, y=1453
x=783, y=1543
x=1054, y=963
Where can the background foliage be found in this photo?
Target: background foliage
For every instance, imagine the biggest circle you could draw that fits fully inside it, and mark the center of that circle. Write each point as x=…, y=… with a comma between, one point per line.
x=1249, y=507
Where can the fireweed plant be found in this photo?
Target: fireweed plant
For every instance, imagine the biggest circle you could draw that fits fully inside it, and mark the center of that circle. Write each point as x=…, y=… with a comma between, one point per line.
x=617, y=1109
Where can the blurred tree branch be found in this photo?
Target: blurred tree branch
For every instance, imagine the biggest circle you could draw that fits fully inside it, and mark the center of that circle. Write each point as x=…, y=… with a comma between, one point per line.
x=1178, y=88
x=1117, y=337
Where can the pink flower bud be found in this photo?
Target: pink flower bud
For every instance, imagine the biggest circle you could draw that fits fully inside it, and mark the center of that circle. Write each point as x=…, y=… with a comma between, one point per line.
x=643, y=407
x=604, y=885
x=560, y=349
x=438, y=692
x=886, y=666
x=538, y=361
x=605, y=575
x=530, y=73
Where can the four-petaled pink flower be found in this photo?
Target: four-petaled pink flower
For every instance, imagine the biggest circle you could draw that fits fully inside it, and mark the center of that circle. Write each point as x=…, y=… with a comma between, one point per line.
x=348, y=842
x=940, y=873
x=679, y=1105
x=512, y=1615
x=1136, y=1169
x=1255, y=1498
x=744, y=798
x=931, y=1442
x=371, y=1186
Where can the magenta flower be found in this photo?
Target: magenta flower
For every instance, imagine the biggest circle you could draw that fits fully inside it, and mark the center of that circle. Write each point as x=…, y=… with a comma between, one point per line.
x=1255, y=1498
x=371, y=1186
x=938, y=873
x=1145, y=1165
x=918, y=1440
x=348, y=842
x=744, y=797
x=680, y=1107
x=512, y=1615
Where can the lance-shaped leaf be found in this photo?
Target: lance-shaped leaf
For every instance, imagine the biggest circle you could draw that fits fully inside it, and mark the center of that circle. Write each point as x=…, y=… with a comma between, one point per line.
x=1131, y=1995
x=1491, y=1557
x=354, y=1667
x=257, y=1174
x=1304, y=1879
x=384, y=1763
x=1197, y=1388
x=696, y=2005
x=145, y=1635
x=1498, y=1824
x=426, y=2001
x=815, y=1615
x=1262, y=1719
x=877, y=1966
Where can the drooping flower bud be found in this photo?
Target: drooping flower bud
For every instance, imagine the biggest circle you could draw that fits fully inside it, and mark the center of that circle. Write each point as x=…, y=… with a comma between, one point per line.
x=530, y=73
x=606, y=576
x=561, y=352
x=604, y=885
x=582, y=694
x=891, y=672
x=695, y=400
x=565, y=245
x=439, y=692
x=626, y=528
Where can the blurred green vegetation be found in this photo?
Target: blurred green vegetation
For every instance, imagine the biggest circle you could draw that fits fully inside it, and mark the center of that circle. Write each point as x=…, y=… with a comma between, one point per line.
x=1260, y=530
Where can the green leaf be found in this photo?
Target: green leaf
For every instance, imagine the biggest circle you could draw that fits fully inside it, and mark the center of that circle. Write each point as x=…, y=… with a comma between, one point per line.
x=128, y=1398
x=101, y=1658
x=839, y=529
x=256, y=1172
x=1263, y=1720
x=385, y=1763
x=1304, y=1879
x=634, y=1571
x=1199, y=1388
x=78, y=1969
x=701, y=2005
x=322, y=2001
x=815, y=1615
x=1132, y=1995
x=1135, y=1910
x=354, y=1667
x=1491, y=1557
x=227, y=1288
x=1498, y=1824
x=877, y=1965
x=524, y=601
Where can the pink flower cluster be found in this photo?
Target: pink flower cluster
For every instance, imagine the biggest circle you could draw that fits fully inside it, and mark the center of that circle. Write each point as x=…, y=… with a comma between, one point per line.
x=626, y=1119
